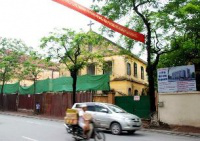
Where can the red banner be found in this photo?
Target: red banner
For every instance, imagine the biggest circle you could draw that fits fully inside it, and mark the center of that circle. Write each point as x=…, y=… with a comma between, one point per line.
x=105, y=21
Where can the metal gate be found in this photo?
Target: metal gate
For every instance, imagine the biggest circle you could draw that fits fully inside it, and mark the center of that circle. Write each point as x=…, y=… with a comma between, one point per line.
x=139, y=107
x=10, y=102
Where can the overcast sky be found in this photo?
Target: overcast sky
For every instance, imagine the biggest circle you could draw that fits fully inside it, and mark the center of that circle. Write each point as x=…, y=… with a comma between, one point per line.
x=30, y=20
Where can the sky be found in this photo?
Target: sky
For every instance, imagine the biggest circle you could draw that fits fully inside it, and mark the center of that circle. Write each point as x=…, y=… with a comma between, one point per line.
x=30, y=20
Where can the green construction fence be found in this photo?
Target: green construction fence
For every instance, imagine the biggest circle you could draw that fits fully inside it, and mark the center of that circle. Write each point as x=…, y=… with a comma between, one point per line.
x=84, y=83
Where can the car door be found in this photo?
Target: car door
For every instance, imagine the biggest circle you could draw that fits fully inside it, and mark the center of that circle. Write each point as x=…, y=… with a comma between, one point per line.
x=102, y=116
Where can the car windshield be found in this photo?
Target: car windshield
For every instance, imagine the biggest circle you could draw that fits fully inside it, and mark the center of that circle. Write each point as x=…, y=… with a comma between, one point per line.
x=116, y=109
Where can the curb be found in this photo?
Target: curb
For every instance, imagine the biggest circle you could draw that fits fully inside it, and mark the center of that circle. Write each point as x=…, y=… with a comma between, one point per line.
x=28, y=116
x=173, y=132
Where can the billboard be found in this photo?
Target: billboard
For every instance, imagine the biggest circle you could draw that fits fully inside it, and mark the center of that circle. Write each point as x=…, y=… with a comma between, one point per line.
x=176, y=79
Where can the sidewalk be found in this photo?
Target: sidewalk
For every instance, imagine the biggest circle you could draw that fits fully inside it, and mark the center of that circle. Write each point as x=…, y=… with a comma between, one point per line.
x=165, y=129
x=172, y=129
x=31, y=115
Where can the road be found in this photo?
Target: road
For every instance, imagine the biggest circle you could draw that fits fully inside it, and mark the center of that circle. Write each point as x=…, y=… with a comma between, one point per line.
x=14, y=128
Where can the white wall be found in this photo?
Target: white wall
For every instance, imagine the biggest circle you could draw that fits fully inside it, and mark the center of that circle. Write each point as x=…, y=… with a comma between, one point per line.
x=180, y=108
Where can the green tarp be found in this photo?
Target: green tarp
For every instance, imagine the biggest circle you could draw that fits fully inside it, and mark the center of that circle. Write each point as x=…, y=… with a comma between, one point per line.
x=62, y=84
x=10, y=88
x=93, y=82
x=44, y=86
x=84, y=83
x=26, y=90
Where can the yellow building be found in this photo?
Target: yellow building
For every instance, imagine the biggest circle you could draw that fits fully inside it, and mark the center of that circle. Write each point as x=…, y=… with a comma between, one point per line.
x=46, y=73
x=127, y=72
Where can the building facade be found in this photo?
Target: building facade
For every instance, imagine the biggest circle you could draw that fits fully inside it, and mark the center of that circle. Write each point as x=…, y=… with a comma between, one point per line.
x=50, y=72
x=127, y=72
x=47, y=73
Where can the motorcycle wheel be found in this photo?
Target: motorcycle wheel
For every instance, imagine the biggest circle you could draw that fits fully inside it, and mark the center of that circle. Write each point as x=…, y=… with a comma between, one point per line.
x=99, y=136
x=68, y=130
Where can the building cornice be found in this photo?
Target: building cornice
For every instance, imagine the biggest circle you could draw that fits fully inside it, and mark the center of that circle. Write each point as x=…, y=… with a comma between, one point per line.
x=128, y=79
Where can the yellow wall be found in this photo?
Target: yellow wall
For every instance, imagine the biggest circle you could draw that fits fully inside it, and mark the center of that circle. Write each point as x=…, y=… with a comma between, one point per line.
x=44, y=74
x=181, y=108
x=121, y=87
x=120, y=67
x=48, y=74
x=120, y=81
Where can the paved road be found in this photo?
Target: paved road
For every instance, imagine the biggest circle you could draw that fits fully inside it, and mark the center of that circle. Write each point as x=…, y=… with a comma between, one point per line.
x=13, y=128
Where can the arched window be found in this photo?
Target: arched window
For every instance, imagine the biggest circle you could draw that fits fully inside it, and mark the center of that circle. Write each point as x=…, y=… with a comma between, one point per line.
x=143, y=92
x=135, y=69
x=136, y=92
x=129, y=91
x=91, y=69
x=107, y=67
x=128, y=69
x=142, y=73
x=90, y=48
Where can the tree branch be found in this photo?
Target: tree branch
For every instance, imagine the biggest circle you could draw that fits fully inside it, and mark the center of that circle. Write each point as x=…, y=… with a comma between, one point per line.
x=142, y=3
x=153, y=50
x=77, y=53
x=65, y=48
x=59, y=56
x=146, y=22
x=66, y=65
x=156, y=61
x=157, y=41
x=70, y=58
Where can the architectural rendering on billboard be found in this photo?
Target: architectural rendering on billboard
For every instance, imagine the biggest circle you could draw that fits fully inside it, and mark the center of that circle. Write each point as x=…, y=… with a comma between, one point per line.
x=176, y=79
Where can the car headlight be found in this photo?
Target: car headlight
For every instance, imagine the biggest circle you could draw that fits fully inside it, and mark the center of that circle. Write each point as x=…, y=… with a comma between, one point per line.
x=127, y=119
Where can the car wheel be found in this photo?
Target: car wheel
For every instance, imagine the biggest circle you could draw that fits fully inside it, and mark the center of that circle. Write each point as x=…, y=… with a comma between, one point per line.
x=131, y=132
x=116, y=128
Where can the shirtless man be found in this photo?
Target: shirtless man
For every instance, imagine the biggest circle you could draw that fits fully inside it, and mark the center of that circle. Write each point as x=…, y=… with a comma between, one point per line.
x=83, y=122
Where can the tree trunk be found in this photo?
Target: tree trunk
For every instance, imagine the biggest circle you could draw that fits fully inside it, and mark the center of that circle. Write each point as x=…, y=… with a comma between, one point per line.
x=74, y=77
x=1, y=100
x=2, y=88
x=150, y=69
x=151, y=89
x=34, y=91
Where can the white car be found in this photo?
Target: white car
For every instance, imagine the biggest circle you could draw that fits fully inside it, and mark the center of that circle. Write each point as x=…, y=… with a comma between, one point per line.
x=111, y=117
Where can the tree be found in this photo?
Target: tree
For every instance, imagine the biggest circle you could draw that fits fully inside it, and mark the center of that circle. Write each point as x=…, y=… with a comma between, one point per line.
x=188, y=53
x=142, y=16
x=33, y=64
x=10, y=54
x=185, y=16
x=70, y=48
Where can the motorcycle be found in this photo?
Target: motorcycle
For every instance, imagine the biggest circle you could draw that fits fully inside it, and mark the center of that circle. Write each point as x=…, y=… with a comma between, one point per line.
x=78, y=135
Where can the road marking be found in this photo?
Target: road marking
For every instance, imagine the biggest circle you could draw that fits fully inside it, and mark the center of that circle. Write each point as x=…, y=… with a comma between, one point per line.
x=29, y=138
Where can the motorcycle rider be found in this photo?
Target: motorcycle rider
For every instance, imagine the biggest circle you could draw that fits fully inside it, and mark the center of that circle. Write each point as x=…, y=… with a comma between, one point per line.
x=84, y=121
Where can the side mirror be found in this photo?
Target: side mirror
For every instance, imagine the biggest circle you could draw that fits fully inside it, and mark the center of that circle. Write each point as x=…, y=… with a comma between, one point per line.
x=104, y=111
